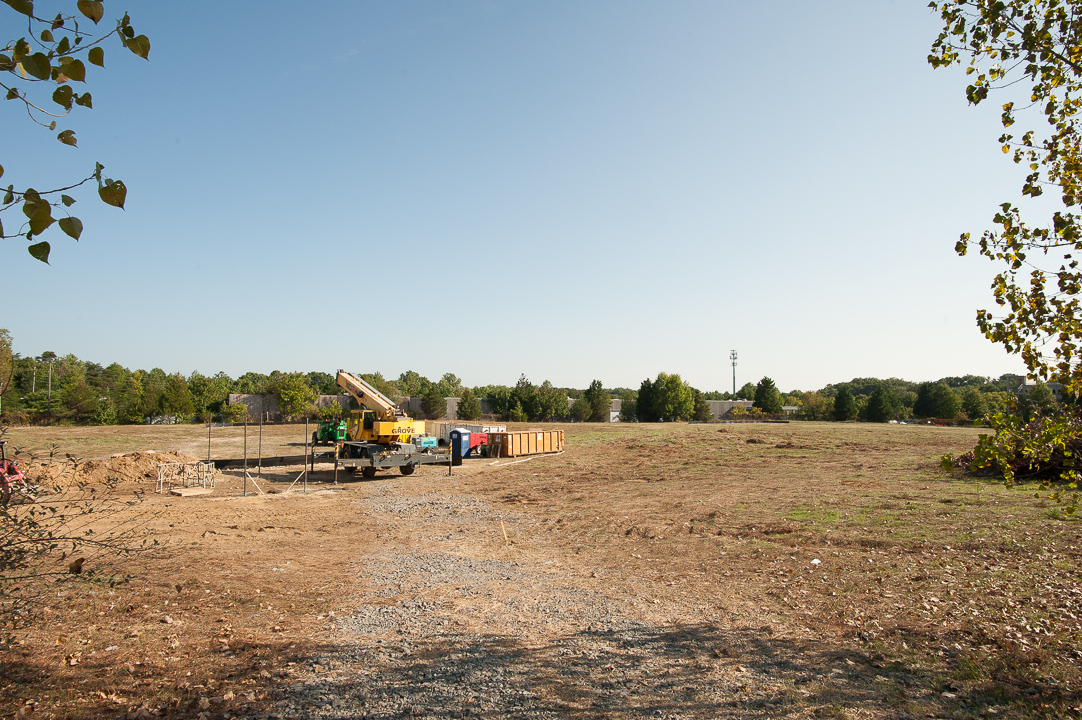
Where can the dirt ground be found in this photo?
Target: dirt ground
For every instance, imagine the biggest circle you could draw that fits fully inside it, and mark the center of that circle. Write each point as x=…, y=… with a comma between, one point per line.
x=795, y=570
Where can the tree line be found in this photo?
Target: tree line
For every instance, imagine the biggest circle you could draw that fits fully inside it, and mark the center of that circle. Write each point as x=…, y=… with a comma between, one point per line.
x=63, y=388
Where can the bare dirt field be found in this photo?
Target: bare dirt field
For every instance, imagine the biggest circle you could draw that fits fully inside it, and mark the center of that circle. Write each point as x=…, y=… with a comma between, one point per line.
x=803, y=570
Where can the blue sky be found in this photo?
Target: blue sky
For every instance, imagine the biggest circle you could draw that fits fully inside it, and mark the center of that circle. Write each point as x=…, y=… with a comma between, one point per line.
x=570, y=190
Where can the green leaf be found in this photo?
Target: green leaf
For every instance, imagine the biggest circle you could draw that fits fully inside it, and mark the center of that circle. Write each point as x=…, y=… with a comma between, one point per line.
x=1, y=171
x=63, y=46
x=62, y=96
x=83, y=100
x=113, y=193
x=9, y=196
x=73, y=69
x=96, y=56
x=67, y=137
x=72, y=226
x=40, y=251
x=36, y=65
x=41, y=218
x=140, y=46
x=92, y=9
x=67, y=200
x=12, y=94
x=26, y=7
x=46, y=36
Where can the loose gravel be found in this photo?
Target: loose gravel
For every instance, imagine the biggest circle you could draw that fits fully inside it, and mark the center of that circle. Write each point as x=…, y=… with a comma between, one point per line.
x=456, y=634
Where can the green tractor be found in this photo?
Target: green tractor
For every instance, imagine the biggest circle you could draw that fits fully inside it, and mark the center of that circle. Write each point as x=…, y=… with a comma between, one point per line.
x=329, y=432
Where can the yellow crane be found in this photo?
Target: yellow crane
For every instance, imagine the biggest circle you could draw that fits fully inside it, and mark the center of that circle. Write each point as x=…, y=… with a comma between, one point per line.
x=380, y=434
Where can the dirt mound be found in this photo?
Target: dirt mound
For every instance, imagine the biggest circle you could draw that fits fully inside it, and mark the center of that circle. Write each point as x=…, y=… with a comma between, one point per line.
x=135, y=467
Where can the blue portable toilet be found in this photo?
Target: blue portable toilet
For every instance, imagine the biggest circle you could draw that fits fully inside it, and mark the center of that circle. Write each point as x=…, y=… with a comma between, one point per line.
x=460, y=445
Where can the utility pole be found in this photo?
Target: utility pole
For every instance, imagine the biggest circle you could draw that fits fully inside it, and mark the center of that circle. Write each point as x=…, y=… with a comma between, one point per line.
x=732, y=356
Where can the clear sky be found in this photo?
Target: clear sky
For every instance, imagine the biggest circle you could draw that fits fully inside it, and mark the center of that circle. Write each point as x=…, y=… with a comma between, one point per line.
x=566, y=189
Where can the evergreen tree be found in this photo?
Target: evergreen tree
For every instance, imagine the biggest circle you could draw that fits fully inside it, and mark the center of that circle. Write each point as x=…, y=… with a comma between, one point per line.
x=701, y=412
x=845, y=407
x=176, y=400
x=433, y=404
x=767, y=397
x=550, y=403
x=469, y=406
x=599, y=402
x=882, y=405
x=924, y=406
x=517, y=414
x=646, y=404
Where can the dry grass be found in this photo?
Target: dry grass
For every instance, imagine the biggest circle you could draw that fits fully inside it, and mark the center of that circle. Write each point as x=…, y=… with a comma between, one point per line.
x=833, y=546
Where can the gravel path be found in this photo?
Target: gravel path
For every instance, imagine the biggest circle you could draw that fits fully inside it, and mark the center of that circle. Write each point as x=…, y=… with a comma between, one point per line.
x=446, y=628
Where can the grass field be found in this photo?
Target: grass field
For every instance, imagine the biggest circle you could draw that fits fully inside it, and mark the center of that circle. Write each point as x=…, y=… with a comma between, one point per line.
x=934, y=594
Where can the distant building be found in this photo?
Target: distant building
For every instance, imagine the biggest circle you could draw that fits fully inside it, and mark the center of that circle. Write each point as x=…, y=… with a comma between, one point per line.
x=1027, y=386
x=721, y=408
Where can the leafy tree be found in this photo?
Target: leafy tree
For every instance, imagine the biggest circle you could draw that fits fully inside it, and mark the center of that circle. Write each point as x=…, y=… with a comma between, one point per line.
x=387, y=387
x=499, y=398
x=295, y=396
x=673, y=399
x=974, y=403
x=646, y=405
x=816, y=406
x=746, y=393
x=629, y=409
x=945, y=402
x=598, y=401
x=322, y=383
x=1043, y=398
x=1026, y=53
x=469, y=406
x=41, y=72
x=251, y=383
x=450, y=385
x=581, y=410
x=767, y=397
x=209, y=394
x=845, y=407
x=413, y=384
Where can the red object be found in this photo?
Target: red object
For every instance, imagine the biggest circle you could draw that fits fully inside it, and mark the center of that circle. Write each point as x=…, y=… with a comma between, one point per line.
x=10, y=477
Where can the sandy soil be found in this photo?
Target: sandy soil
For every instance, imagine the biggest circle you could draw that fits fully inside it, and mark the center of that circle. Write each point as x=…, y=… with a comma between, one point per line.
x=790, y=570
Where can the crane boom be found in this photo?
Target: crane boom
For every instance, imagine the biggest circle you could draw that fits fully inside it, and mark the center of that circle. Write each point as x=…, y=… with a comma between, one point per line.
x=369, y=397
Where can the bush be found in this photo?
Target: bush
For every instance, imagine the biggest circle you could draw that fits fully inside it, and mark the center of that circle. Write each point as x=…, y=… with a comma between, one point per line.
x=1043, y=448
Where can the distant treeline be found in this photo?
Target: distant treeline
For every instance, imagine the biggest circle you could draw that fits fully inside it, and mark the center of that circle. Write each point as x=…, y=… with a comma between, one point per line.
x=53, y=388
